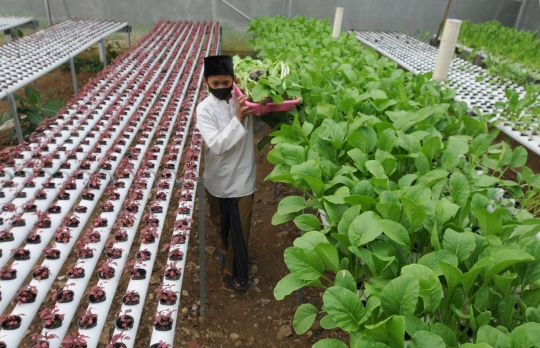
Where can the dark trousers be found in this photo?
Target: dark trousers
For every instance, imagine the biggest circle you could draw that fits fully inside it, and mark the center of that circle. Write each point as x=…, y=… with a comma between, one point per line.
x=232, y=218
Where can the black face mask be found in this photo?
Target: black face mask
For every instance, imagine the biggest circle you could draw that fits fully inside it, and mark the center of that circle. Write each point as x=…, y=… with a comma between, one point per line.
x=220, y=93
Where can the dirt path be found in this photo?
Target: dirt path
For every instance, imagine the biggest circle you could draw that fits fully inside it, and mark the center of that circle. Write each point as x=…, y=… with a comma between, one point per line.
x=252, y=318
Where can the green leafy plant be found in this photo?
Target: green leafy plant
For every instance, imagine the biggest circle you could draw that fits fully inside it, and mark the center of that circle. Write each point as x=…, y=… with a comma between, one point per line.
x=408, y=224
x=511, y=53
x=264, y=81
x=35, y=110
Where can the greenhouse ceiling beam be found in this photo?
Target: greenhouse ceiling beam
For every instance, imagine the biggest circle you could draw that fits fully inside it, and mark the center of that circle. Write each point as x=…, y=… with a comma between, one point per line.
x=520, y=14
x=237, y=10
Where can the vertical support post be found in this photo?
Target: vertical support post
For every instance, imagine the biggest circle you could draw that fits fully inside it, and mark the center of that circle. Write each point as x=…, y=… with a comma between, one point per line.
x=102, y=52
x=48, y=10
x=275, y=190
x=446, y=49
x=290, y=9
x=35, y=85
x=520, y=14
x=202, y=251
x=15, y=116
x=129, y=39
x=9, y=38
x=338, y=19
x=73, y=75
x=220, y=39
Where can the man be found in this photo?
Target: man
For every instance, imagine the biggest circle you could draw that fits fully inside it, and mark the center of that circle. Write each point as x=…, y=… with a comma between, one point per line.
x=230, y=171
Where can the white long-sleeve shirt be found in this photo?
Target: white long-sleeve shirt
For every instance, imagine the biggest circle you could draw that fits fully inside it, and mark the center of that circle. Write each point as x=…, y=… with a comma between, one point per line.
x=229, y=168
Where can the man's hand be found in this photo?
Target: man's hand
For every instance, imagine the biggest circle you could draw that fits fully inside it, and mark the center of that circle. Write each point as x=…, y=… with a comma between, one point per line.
x=242, y=110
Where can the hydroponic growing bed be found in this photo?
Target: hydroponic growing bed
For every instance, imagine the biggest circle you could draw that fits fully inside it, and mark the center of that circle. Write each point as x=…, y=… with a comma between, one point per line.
x=122, y=137
x=473, y=85
x=11, y=22
x=31, y=57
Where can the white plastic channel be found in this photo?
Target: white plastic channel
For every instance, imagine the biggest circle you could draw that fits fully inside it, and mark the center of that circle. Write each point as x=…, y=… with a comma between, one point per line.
x=110, y=285
x=68, y=309
x=83, y=219
x=141, y=286
x=196, y=143
x=75, y=163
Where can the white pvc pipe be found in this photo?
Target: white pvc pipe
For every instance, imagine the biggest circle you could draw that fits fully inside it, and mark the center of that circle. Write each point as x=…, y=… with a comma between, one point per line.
x=338, y=19
x=446, y=49
x=176, y=285
x=153, y=248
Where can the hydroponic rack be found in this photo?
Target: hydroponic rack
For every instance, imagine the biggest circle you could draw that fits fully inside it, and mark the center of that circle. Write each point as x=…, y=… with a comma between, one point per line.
x=9, y=22
x=122, y=139
x=473, y=85
x=33, y=56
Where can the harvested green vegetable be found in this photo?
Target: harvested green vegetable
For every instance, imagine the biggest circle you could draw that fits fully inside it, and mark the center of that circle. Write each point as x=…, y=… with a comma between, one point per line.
x=264, y=81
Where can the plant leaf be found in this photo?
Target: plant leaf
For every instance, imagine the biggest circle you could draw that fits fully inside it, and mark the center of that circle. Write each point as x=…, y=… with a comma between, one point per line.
x=304, y=318
x=400, y=295
x=344, y=307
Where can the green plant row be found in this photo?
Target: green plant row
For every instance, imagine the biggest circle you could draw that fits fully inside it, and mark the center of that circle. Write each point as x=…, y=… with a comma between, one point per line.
x=420, y=243
x=504, y=48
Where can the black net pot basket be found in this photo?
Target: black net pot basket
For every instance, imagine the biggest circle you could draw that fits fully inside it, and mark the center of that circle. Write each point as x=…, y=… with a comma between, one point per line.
x=87, y=327
x=69, y=297
x=57, y=323
x=169, y=304
x=36, y=240
x=163, y=328
x=144, y=255
x=142, y=274
x=118, y=323
x=14, y=327
x=134, y=303
x=92, y=299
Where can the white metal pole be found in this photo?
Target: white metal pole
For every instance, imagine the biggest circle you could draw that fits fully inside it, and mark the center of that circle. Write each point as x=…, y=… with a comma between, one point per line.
x=446, y=49
x=103, y=52
x=73, y=75
x=520, y=14
x=338, y=19
x=290, y=9
x=15, y=116
x=8, y=35
x=48, y=10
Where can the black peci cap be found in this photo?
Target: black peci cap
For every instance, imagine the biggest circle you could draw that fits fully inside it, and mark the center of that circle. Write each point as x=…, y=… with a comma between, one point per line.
x=218, y=65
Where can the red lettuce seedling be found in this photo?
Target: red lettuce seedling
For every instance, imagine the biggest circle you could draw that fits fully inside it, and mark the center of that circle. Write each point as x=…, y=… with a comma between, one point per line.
x=88, y=319
x=105, y=271
x=51, y=317
x=62, y=294
x=74, y=340
x=116, y=340
x=131, y=297
x=96, y=293
x=172, y=271
x=124, y=321
x=163, y=319
x=165, y=295
x=26, y=295
x=42, y=340
x=41, y=272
